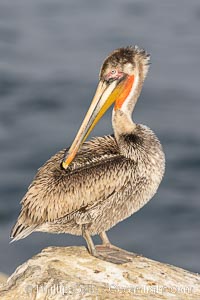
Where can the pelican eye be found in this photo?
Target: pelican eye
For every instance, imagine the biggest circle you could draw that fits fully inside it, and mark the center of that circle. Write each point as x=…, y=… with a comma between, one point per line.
x=111, y=76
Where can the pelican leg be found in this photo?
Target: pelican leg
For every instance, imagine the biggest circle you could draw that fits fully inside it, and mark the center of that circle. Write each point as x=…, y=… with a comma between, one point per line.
x=104, y=238
x=89, y=241
x=106, y=251
x=111, y=253
x=106, y=242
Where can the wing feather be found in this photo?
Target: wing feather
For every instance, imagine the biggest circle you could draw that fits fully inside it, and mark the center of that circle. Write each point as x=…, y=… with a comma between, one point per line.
x=96, y=173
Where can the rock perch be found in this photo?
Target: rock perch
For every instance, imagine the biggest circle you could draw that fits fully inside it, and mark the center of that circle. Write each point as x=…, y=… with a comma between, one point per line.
x=72, y=273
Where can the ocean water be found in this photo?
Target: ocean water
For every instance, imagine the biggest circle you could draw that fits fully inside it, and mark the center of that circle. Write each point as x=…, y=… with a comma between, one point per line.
x=50, y=55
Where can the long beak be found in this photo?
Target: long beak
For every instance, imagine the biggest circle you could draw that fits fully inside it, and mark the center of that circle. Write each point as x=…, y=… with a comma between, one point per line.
x=104, y=97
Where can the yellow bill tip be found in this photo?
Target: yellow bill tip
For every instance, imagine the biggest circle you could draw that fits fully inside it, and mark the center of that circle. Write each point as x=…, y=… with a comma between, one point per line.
x=68, y=159
x=65, y=165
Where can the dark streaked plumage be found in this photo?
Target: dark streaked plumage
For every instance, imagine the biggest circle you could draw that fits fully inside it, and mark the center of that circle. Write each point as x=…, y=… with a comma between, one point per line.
x=106, y=179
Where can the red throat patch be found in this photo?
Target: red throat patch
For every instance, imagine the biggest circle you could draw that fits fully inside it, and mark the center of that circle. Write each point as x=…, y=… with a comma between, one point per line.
x=128, y=83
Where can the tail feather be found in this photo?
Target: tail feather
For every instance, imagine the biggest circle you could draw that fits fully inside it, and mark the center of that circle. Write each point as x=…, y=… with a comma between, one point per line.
x=20, y=231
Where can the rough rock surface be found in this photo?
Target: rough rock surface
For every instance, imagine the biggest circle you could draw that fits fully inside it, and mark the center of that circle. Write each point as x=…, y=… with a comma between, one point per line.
x=72, y=273
x=3, y=278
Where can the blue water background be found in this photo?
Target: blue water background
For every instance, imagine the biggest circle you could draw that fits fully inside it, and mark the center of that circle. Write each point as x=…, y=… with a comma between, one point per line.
x=50, y=55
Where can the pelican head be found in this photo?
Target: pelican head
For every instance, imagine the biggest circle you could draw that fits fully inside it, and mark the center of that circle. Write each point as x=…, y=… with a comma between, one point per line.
x=120, y=82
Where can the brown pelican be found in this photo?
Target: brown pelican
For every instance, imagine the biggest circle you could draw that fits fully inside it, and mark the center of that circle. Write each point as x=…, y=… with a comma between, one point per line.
x=93, y=185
